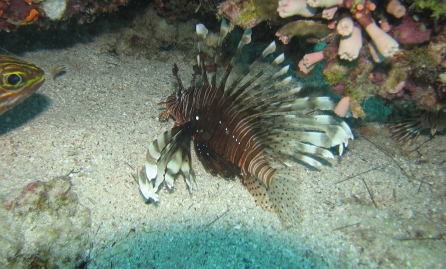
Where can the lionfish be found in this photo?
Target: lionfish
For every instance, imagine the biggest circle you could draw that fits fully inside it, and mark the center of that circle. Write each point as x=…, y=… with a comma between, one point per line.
x=409, y=129
x=18, y=81
x=240, y=129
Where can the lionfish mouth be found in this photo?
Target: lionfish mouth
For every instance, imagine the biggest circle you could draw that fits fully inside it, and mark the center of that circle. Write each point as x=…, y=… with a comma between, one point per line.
x=409, y=129
x=239, y=125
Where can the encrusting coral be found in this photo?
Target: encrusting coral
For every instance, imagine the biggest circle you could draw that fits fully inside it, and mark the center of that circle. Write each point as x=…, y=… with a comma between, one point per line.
x=16, y=13
x=309, y=61
x=46, y=223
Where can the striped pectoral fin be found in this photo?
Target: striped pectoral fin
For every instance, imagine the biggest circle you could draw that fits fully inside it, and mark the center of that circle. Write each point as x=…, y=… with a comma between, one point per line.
x=146, y=187
x=173, y=167
x=164, y=161
x=180, y=164
x=186, y=169
x=159, y=154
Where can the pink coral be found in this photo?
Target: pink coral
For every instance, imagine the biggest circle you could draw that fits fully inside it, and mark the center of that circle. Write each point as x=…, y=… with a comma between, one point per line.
x=395, y=8
x=324, y=3
x=288, y=8
x=328, y=13
x=384, y=24
x=376, y=56
x=309, y=61
x=385, y=44
x=345, y=26
x=342, y=107
x=349, y=46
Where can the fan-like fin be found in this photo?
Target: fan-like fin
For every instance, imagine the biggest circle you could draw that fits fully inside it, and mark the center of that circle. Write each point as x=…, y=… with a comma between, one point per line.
x=253, y=93
x=202, y=32
x=279, y=59
x=164, y=161
x=246, y=39
x=224, y=29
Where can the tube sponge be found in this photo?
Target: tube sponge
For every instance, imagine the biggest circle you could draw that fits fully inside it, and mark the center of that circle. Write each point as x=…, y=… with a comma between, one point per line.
x=54, y=9
x=288, y=8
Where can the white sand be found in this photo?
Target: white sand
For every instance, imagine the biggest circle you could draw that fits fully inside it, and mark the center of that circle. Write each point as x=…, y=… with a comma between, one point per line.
x=99, y=120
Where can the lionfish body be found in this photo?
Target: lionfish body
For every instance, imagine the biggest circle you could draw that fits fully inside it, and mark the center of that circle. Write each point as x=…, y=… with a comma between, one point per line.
x=238, y=129
x=18, y=81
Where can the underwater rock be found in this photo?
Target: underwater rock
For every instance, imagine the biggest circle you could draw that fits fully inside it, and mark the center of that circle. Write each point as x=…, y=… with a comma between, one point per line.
x=15, y=13
x=154, y=37
x=45, y=226
x=411, y=32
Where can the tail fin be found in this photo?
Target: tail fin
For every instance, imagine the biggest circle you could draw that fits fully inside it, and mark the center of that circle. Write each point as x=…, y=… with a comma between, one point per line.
x=259, y=192
x=283, y=193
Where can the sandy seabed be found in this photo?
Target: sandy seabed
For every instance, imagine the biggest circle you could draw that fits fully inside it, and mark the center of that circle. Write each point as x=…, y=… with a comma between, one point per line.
x=378, y=205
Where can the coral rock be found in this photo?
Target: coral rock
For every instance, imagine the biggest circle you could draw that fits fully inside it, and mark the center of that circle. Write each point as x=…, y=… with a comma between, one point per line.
x=411, y=32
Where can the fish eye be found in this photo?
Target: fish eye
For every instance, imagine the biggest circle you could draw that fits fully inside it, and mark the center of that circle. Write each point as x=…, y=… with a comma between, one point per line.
x=13, y=79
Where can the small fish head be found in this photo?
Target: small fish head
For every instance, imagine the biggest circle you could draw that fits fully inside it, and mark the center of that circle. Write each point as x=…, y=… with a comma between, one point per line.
x=18, y=81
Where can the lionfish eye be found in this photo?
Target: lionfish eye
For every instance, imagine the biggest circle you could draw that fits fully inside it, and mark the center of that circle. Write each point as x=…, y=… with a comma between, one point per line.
x=14, y=79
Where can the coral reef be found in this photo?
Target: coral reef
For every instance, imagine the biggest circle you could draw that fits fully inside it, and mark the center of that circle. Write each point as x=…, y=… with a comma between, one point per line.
x=45, y=227
x=175, y=11
x=15, y=13
x=376, y=63
x=437, y=9
x=373, y=52
x=410, y=32
x=248, y=13
x=154, y=37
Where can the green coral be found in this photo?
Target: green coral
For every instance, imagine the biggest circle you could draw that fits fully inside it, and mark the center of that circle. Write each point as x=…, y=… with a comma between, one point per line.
x=438, y=8
x=250, y=12
x=376, y=109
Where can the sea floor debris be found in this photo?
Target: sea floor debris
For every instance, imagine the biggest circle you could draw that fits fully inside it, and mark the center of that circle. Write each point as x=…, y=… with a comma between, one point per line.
x=44, y=227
